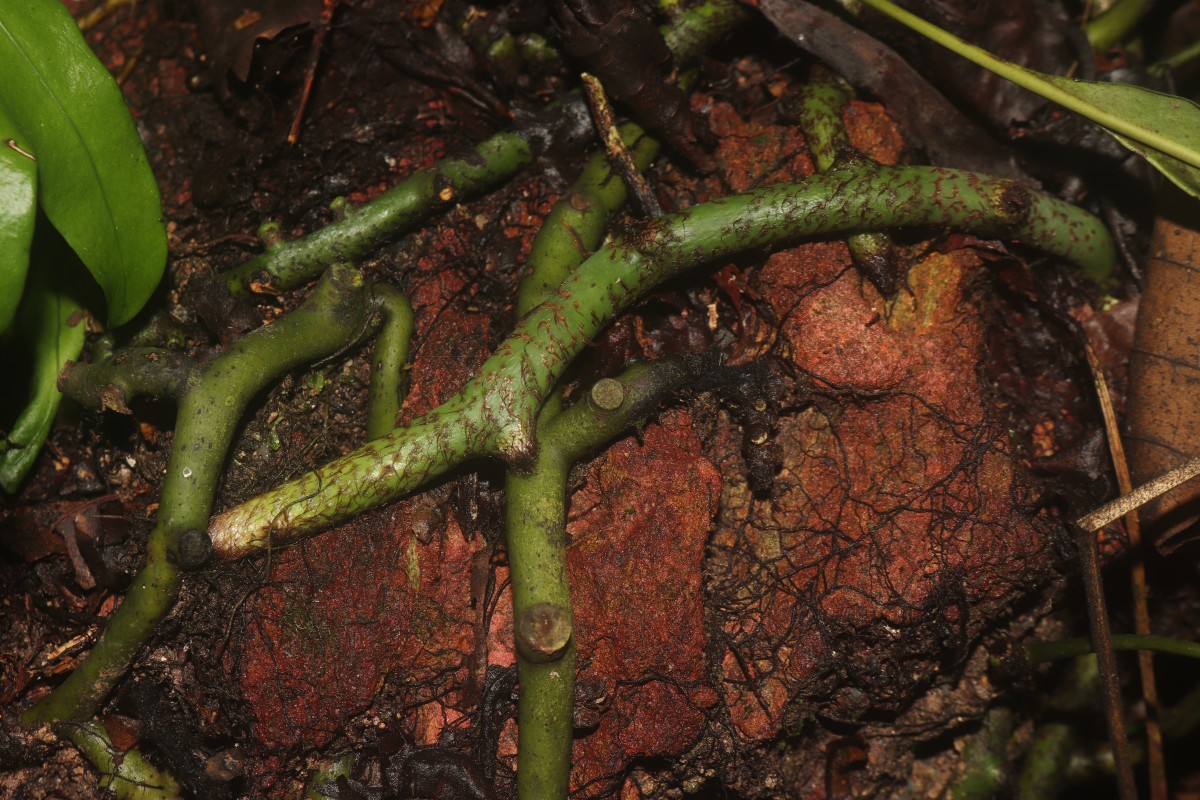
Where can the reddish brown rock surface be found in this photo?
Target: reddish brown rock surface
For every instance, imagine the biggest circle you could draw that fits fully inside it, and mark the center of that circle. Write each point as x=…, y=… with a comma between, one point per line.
x=636, y=564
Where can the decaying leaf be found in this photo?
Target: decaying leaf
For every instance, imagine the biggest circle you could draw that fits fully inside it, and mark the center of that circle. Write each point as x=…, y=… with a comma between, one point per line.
x=230, y=29
x=1164, y=418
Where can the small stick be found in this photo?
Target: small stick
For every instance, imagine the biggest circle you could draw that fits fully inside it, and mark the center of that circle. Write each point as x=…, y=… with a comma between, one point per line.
x=127, y=70
x=310, y=72
x=94, y=18
x=1106, y=662
x=618, y=155
x=1156, y=765
x=1140, y=496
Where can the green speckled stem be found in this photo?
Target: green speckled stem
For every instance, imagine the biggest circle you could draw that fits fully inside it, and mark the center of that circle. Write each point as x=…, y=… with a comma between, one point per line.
x=695, y=30
x=1069, y=648
x=209, y=411
x=389, y=359
x=823, y=102
x=537, y=548
x=117, y=378
x=536, y=502
x=494, y=414
x=537, y=554
x=125, y=773
x=292, y=263
x=577, y=223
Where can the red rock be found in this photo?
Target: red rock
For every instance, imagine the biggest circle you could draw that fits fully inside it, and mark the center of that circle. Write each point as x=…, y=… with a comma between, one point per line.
x=637, y=550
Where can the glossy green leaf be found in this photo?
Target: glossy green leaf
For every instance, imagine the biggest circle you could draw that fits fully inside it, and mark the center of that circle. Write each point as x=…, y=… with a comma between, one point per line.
x=50, y=329
x=18, y=210
x=1163, y=128
x=1172, y=116
x=94, y=182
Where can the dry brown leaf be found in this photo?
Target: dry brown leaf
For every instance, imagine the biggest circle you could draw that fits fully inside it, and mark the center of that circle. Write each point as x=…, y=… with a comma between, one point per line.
x=1164, y=418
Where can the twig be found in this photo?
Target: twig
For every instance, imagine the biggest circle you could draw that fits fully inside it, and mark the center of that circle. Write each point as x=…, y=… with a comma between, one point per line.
x=320, y=33
x=1106, y=662
x=1155, y=763
x=94, y=18
x=618, y=155
x=1114, y=510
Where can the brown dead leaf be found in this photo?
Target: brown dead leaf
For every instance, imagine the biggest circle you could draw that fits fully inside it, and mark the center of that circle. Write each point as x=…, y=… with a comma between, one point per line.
x=1164, y=420
x=230, y=29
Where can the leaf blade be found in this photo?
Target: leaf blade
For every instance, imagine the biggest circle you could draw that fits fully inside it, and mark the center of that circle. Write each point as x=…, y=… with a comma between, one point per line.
x=18, y=212
x=50, y=325
x=1165, y=129
x=94, y=182
x=1181, y=118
